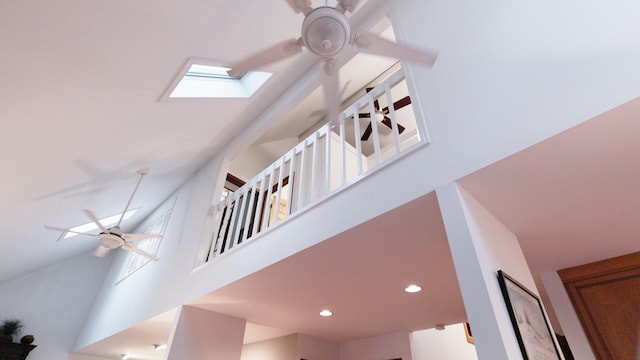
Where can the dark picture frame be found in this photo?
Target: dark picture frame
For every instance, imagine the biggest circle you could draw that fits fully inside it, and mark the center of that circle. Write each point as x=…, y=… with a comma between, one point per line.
x=528, y=319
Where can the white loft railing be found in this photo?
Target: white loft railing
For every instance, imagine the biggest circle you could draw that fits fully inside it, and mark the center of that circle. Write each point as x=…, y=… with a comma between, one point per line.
x=328, y=160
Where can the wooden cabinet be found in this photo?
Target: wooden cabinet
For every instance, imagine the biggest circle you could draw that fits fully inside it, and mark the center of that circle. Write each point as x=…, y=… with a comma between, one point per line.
x=606, y=296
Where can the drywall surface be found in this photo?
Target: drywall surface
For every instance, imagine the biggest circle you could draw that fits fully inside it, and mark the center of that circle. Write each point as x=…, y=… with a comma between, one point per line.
x=86, y=357
x=473, y=234
x=503, y=81
x=313, y=348
x=282, y=348
x=53, y=302
x=566, y=314
x=480, y=246
x=448, y=344
x=200, y=334
x=390, y=346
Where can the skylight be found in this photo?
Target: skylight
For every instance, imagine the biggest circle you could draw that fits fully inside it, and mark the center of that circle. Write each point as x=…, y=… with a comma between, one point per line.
x=207, y=81
x=106, y=222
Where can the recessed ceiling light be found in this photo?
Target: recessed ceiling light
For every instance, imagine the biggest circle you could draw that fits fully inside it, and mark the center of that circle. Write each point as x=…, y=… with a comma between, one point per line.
x=106, y=222
x=326, y=313
x=412, y=288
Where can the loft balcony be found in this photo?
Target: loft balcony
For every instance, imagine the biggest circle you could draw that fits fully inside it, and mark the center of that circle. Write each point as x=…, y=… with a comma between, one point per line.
x=369, y=136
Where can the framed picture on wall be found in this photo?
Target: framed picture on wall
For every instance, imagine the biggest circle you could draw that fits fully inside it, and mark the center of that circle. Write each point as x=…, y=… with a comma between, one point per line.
x=467, y=332
x=528, y=319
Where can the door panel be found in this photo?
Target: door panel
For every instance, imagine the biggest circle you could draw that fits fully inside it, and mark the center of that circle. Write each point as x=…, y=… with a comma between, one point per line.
x=606, y=296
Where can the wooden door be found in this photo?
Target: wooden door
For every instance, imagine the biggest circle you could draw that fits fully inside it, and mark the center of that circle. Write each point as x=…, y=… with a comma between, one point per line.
x=606, y=296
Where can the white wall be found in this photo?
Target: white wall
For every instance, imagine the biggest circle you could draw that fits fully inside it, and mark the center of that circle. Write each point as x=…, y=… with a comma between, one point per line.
x=312, y=348
x=282, y=348
x=257, y=157
x=510, y=74
x=389, y=346
x=291, y=347
x=567, y=316
x=86, y=357
x=53, y=302
x=448, y=344
x=200, y=334
x=474, y=235
x=480, y=246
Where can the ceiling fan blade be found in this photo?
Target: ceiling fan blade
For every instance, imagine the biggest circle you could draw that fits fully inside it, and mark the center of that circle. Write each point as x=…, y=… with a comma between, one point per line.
x=300, y=5
x=331, y=88
x=142, y=172
x=402, y=103
x=55, y=228
x=387, y=121
x=347, y=5
x=374, y=44
x=344, y=89
x=376, y=104
x=267, y=56
x=364, y=115
x=398, y=104
x=321, y=112
x=138, y=237
x=367, y=133
x=95, y=220
x=136, y=250
x=318, y=112
x=100, y=251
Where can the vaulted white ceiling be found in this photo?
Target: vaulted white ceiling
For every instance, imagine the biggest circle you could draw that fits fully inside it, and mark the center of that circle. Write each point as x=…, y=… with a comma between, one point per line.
x=81, y=108
x=80, y=84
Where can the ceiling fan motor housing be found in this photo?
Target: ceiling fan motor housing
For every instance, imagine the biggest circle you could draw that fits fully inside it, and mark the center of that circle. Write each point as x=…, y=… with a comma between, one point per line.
x=111, y=239
x=325, y=31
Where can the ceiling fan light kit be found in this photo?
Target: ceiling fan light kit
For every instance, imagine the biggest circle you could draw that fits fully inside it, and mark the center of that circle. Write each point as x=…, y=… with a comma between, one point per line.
x=325, y=31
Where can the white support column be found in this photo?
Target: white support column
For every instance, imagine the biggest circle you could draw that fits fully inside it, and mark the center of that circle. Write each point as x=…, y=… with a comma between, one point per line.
x=199, y=334
x=480, y=246
x=567, y=317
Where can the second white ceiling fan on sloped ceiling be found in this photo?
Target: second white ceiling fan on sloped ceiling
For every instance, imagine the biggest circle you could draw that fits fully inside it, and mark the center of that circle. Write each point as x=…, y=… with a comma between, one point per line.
x=113, y=237
x=325, y=32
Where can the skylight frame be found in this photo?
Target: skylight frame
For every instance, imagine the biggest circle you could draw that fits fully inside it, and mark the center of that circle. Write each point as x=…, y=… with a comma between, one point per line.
x=195, y=82
x=210, y=72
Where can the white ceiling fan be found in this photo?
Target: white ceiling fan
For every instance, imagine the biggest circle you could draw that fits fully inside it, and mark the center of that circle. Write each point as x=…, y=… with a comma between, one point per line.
x=112, y=237
x=325, y=32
